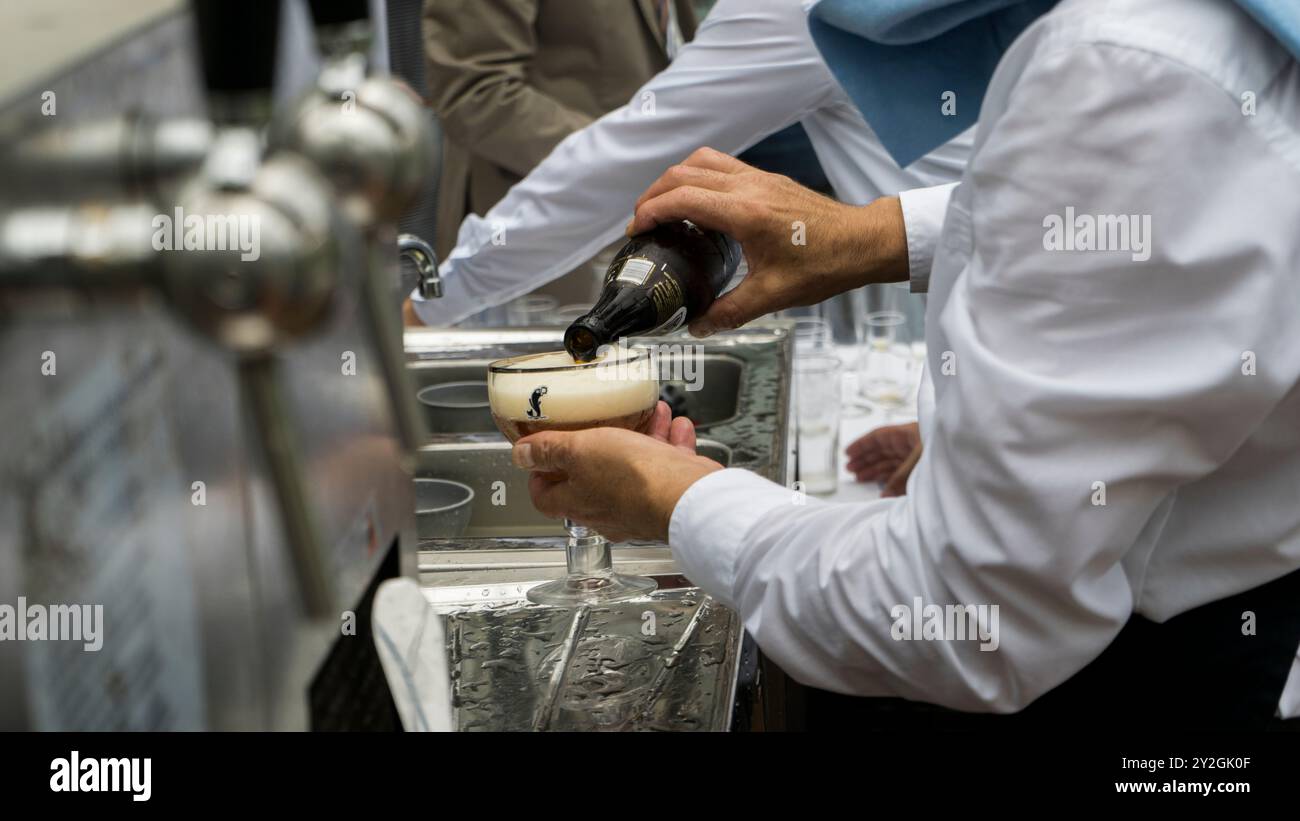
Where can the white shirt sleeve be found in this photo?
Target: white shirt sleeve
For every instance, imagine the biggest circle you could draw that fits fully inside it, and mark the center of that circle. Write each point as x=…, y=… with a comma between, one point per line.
x=1077, y=373
x=923, y=210
x=750, y=71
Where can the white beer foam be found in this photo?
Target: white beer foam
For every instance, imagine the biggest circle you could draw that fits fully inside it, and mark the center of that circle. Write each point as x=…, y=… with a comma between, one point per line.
x=611, y=388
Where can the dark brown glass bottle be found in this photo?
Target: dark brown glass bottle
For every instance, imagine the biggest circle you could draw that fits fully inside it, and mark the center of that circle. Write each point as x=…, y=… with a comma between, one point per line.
x=658, y=281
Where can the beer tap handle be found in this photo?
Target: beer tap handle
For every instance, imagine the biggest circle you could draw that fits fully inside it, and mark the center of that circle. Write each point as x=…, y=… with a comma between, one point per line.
x=339, y=12
x=262, y=391
x=375, y=177
x=237, y=46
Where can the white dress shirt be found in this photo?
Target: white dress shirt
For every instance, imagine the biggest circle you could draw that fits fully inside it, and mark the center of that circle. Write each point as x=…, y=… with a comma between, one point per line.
x=751, y=70
x=1072, y=368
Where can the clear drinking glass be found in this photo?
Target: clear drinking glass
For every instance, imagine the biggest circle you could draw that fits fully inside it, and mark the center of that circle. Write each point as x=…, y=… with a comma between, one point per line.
x=549, y=391
x=885, y=359
x=912, y=306
x=818, y=383
x=533, y=309
x=812, y=335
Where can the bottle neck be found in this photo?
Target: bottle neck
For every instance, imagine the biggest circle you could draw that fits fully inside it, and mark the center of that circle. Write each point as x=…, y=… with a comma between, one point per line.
x=618, y=313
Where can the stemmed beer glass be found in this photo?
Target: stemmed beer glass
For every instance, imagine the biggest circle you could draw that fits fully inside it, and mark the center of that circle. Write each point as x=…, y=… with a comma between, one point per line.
x=549, y=391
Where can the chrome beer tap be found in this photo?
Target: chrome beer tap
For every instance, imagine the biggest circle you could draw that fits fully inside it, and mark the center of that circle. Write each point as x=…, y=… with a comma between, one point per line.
x=371, y=137
x=254, y=301
x=87, y=207
x=249, y=301
x=425, y=259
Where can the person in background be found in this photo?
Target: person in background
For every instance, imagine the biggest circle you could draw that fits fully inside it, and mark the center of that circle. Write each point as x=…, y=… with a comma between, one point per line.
x=751, y=71
x=510, y=79
x=886, y=455
x=789, y=152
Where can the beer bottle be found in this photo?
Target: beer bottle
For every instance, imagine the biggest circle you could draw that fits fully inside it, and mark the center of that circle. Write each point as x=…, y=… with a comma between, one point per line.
x=658, y=281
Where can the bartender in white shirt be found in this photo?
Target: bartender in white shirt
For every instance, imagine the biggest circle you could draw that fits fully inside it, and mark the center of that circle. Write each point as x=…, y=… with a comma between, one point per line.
x=1113, y=454
x=751, y=70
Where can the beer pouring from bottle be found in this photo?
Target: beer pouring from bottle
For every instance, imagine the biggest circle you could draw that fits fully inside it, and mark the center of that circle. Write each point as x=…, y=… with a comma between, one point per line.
x=659, y=281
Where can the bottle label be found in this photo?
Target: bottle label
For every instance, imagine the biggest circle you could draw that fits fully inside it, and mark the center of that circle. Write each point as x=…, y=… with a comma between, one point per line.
x=668, y=299
x=635, y=271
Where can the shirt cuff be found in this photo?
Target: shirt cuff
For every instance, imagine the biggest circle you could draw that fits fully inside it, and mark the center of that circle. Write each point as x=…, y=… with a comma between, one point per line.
x=923, y=212
x=709, y=525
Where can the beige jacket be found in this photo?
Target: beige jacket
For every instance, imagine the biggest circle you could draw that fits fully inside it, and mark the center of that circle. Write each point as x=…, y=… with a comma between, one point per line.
x=510, y=79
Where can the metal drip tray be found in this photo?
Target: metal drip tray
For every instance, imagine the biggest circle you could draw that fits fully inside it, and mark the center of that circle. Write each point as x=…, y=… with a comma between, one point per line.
x=665, y=662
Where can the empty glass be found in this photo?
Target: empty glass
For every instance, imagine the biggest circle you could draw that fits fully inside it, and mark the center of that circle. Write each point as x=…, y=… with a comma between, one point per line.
x=533, y=309
x=912, y=306
x=818, y=379
x=566, y=315
x=885, y=361
x=812, y=335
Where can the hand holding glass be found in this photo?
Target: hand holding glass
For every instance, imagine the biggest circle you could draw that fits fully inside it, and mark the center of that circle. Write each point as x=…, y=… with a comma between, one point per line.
x=549, y=391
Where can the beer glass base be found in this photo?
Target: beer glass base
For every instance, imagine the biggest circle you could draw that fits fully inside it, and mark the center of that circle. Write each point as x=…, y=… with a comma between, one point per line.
x=601, y=588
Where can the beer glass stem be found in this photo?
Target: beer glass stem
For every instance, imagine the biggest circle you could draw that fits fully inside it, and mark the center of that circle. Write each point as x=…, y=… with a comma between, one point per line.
x=587, y=552
x=591, y=578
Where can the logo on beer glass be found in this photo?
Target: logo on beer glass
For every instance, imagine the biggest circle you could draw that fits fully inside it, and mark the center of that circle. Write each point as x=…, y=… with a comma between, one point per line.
x=535, y=404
